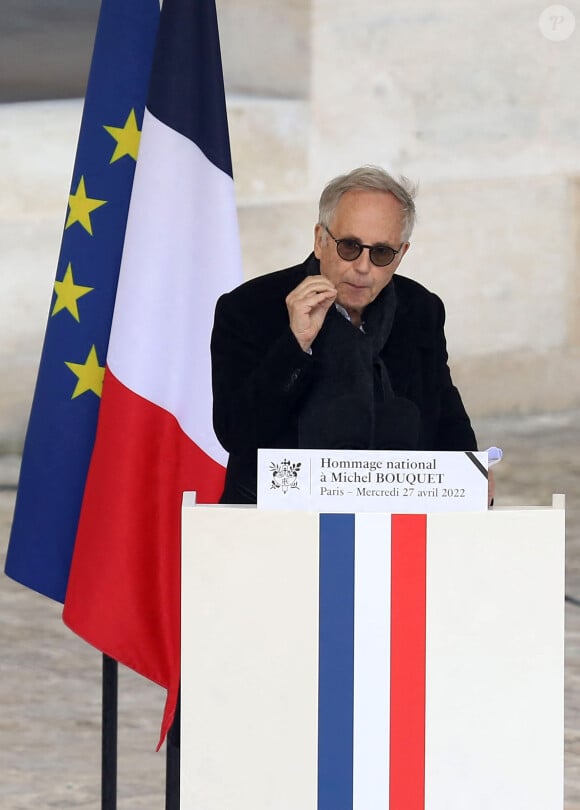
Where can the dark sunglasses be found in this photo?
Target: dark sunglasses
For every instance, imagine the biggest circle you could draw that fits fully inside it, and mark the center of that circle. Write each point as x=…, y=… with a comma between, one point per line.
x=350, y=249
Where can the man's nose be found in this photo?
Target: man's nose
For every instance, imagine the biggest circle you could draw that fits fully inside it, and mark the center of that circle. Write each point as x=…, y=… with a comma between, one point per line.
x=363, y=264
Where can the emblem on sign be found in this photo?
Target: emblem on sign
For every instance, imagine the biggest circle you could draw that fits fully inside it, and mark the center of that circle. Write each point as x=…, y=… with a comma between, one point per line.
x=285, y=475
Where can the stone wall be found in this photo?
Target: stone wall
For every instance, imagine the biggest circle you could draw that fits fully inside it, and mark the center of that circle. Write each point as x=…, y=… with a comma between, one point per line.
x=472, y=101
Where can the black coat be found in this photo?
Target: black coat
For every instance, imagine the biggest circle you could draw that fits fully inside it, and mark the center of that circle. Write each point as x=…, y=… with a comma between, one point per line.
x=261, y=376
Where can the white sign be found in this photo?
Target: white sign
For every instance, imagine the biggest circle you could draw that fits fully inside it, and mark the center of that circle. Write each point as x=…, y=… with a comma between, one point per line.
x=398, y=482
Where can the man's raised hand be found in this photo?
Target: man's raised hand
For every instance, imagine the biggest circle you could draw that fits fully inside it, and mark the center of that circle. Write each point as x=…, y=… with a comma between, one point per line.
x=307, y=306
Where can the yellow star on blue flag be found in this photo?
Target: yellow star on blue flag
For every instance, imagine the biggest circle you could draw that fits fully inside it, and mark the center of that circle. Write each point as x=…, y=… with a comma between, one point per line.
x=89, y=375
x=128, y=137
x=81, y=207
x=68, y=293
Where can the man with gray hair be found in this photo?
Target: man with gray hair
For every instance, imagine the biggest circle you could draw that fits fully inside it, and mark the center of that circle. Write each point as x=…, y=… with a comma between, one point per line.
x=336, y=352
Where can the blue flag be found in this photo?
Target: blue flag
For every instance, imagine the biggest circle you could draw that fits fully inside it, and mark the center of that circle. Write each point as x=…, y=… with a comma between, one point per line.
x=62, y=426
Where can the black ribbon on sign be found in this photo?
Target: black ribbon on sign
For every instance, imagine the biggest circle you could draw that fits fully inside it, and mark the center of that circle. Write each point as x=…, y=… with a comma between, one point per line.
x=477, y=463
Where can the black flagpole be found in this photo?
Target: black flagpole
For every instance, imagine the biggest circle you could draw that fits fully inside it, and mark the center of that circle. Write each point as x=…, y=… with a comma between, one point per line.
x=172, y=777
x=172, y=761
x=109, y=735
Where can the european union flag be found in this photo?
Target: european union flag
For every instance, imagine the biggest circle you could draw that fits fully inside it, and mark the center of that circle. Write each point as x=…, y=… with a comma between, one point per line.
x=63, y=420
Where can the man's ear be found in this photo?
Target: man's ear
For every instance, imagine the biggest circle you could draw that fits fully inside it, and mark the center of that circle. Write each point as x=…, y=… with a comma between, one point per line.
x=318, y=237
x=403, y=250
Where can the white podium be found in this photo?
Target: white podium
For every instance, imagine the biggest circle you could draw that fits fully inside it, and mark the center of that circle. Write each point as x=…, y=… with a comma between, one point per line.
x=357, y=662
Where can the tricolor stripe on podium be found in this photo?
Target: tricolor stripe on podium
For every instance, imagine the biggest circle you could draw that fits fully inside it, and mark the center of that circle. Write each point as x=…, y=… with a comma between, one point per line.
x=371, y=710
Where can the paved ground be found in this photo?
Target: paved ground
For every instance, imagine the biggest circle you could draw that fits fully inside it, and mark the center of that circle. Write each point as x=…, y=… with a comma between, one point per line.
x=50, y=684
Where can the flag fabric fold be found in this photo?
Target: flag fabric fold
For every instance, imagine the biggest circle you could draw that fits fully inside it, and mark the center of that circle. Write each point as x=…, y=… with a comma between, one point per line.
x=154, y=436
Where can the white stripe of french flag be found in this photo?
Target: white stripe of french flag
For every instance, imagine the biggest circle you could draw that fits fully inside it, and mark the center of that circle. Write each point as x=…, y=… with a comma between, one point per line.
x=372, y=659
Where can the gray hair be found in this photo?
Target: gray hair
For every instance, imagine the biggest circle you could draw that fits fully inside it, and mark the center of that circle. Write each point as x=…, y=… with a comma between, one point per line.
x=369, y=178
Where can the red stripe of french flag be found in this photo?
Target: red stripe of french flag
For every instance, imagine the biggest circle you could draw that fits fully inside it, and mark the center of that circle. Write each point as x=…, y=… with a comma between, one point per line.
x=408, y=636
x=389, y=662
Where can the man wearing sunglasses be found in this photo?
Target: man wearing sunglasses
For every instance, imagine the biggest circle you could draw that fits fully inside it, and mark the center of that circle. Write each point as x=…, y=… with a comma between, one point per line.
x=336, y=352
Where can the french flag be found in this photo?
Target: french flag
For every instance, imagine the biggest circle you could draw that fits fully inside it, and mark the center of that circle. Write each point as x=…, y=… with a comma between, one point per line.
x=154, y=435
